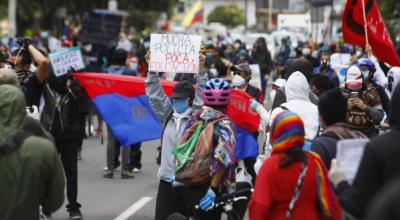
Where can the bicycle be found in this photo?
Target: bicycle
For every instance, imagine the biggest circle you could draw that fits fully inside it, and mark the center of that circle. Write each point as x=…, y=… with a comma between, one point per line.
x=227, y=202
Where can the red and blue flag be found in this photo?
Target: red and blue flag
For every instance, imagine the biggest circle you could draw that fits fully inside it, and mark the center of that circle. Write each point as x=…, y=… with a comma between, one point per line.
x=123, y=104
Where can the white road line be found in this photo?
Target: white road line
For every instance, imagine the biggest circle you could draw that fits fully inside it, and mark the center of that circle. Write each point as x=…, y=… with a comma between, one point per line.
x=133, y=208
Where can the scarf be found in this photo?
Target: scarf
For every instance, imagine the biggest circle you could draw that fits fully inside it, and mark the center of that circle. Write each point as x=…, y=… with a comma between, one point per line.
x=287, y=134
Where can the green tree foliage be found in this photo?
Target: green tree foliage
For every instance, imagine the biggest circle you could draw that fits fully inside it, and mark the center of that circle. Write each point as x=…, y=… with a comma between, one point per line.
x=230, y=15
x=34, y=14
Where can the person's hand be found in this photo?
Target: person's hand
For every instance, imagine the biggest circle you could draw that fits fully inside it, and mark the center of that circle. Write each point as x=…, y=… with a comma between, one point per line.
x=202, y=62
x=147, y=57
x=254, y=104
x=357, y=102
x=336, y=174
x=207, y=202
x=385, y=126
x=24, y=42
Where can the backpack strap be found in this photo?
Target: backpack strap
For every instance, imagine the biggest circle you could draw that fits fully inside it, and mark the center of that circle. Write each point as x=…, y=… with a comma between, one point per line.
x=14, y=143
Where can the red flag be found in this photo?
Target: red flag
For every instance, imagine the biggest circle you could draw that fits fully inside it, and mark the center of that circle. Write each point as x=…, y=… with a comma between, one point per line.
x=378, y=36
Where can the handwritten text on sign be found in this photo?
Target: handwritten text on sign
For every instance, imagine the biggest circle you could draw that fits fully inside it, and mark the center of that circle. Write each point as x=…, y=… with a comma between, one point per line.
x=63, y=60
x=176, y=53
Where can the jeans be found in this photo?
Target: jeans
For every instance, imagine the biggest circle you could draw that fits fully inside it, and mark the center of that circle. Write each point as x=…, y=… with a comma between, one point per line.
x=68, y=150
x=113, y=143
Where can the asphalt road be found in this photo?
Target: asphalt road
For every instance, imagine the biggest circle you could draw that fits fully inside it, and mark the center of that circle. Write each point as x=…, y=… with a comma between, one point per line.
x=111, y=198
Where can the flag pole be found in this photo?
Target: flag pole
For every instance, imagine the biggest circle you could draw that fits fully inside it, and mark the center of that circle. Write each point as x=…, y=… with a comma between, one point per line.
x=367, y=47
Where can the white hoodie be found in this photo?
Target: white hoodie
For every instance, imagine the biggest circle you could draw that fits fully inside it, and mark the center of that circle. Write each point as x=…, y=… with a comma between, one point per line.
x=297, y=96
x=393, y=73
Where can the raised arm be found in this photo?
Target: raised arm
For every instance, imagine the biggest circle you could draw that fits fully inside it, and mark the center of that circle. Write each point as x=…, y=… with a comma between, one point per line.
x=43, y=64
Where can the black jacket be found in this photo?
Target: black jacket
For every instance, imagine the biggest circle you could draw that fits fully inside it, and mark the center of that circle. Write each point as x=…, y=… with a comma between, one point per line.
x=255, y=92
x=62, y=114
x=380, y=164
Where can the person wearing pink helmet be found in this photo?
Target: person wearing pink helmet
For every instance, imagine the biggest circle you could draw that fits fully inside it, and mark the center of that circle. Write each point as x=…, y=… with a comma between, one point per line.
x=221, y=176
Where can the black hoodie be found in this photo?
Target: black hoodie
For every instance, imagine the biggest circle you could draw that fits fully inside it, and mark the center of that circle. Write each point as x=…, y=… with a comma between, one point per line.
x=379, y=164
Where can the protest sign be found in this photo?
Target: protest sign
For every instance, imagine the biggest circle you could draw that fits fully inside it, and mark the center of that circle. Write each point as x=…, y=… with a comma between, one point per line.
x=101, y=28
x=349, y=154
x=177, y=53
x=255, y=75
x=63, y=60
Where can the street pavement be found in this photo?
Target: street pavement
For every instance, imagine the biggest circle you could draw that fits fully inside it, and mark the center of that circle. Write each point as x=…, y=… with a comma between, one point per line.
x=105, y=199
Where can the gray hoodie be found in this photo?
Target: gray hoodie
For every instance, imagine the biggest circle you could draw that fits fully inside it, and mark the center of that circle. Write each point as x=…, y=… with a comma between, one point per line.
x=175, y=127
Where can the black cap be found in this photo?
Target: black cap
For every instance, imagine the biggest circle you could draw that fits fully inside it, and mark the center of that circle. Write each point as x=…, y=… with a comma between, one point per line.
x=243, y=67
x=182, y=90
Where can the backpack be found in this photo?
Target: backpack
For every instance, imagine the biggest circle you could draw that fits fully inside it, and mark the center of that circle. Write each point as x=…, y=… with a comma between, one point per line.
x=194, y=155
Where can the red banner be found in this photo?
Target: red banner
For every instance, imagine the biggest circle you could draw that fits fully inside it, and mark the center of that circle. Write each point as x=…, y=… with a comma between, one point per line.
x=378, y=36
x=97, y=84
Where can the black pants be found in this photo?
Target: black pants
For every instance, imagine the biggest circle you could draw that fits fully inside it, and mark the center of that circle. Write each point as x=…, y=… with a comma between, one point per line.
x=166, y=202
x=68, y=150
x=249, y=164
x=136, y=156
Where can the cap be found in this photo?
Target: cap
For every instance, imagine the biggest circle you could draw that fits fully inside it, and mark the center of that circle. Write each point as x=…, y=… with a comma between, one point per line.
x=279, y=82
x=354, y=78
x=182, y=90
x=8, y=76
x=243, y=67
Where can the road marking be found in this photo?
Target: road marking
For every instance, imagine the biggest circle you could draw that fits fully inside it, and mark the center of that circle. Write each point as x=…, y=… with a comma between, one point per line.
x=133, y=208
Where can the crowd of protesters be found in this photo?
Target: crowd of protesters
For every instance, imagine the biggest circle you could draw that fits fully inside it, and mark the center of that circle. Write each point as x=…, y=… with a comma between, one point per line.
x=307, y=101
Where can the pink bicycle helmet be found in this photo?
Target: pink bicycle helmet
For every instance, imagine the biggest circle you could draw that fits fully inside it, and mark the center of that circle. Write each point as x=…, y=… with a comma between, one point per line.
x=216, y=92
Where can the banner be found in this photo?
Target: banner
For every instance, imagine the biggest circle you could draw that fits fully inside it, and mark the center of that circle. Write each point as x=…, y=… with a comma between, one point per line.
x=62, y=61
x=177, y=53
x=122, y=103
x=378, y=36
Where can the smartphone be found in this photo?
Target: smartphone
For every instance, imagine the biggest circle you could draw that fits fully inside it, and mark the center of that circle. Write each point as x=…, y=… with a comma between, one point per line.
x=354, y=95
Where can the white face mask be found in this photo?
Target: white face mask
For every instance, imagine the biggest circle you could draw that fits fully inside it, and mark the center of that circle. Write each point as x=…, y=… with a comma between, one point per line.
x=238, y=81
x=214, y=73
x=272, y=95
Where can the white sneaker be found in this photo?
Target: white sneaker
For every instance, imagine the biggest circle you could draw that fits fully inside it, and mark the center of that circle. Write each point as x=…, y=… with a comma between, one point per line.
x=105, y=168
x=136, y=170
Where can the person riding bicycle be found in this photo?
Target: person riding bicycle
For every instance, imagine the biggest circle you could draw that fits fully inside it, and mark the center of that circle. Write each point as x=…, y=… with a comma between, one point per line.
x=214, y=141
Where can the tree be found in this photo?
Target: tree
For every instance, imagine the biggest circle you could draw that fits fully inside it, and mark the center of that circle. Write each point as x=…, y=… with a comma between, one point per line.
x=42, y=14
x=231, y=15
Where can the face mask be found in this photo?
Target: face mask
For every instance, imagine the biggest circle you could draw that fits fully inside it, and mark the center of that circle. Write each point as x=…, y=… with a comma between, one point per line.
x=214, y=73
x=180, y=105
x=272, y=95
x=146, y=45
x=133, y=66
x=238, y=80
x=365, y=74
x=306, y=51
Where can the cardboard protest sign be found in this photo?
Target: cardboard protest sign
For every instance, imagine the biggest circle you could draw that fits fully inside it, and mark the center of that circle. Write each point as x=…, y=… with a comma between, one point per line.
x=255, y=75
x=349, y=153
x=64, y=60
x=177, y=53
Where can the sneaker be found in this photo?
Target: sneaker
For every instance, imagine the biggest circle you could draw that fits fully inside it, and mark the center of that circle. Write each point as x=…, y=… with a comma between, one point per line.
x=136, y=170
x=108, y=174
x=75, y=214
x=127, y=174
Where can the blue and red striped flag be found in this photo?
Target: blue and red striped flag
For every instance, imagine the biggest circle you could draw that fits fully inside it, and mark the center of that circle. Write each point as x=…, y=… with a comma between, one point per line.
x=123, y=104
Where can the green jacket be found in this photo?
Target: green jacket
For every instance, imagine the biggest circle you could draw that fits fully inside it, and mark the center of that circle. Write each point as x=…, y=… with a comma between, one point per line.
x=30, y=173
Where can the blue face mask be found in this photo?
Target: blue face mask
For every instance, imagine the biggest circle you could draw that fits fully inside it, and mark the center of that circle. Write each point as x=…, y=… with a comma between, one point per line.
x=365, y=74
x=180, y=105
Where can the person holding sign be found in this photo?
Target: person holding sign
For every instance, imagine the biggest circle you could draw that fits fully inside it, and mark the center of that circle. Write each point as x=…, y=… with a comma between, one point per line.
x=174, y=117
x=241, y=79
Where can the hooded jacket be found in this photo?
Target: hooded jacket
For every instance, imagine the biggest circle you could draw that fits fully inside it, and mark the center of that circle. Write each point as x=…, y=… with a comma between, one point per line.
x=298, y=101
x=30, y=172
x=303, y=66
x=379, y=165
x=393, y=80
x=174, y=124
